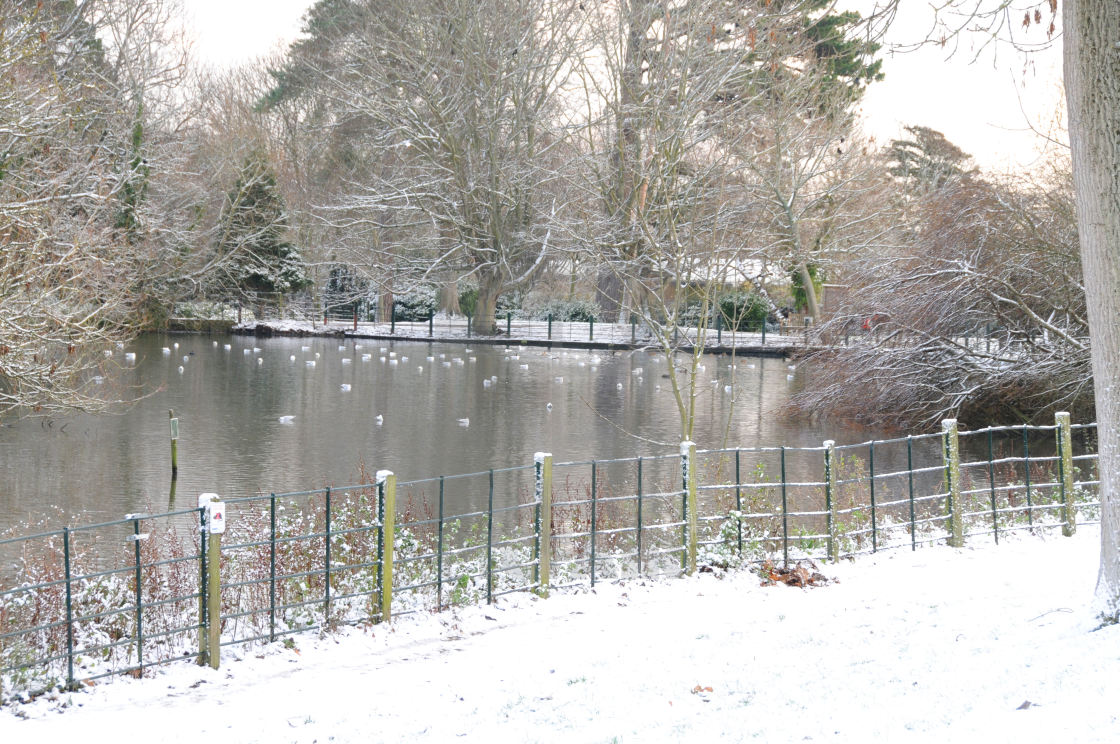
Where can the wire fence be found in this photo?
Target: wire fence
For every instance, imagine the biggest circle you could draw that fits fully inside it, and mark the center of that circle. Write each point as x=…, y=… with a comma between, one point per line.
x=121, y=597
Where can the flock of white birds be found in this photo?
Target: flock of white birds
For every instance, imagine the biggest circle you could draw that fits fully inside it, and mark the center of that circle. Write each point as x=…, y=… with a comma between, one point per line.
x=385, y=356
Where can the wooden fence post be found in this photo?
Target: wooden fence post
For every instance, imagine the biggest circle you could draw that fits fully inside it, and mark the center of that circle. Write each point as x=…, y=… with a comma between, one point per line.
x=543, y=466
x=210, y=634
x=1065, y=461
x=387, y=482
x=830, y=494
x=952, y=454
x=688, y=477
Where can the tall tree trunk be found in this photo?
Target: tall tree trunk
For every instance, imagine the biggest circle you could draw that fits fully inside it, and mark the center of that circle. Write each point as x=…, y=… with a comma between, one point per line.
x=1092, y=78
x=810, y=292
x=484, y=322
x=385, y=305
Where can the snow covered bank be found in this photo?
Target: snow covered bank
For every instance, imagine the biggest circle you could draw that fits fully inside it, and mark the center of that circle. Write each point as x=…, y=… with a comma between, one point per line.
x=985, y=643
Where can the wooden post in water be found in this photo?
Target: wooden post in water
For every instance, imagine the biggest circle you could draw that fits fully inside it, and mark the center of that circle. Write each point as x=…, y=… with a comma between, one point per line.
x=174, y=446
x=1065, y=460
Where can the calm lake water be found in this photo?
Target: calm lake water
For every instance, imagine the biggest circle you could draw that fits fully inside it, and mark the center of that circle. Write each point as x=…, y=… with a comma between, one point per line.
x=236, y=439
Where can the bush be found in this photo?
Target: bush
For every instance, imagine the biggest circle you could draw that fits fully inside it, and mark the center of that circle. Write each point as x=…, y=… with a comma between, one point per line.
x=468, y=300
x=568, y=311
x=418, y=303
x=742, y=311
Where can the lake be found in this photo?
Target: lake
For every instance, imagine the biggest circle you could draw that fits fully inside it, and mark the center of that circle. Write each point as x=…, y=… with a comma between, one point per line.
x=258, y=418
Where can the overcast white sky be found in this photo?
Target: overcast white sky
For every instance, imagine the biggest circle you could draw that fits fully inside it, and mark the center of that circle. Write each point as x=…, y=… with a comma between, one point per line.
x=986, y=107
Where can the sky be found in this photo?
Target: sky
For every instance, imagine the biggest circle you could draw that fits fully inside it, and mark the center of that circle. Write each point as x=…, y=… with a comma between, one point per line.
x=989, y=643
x=988, y=107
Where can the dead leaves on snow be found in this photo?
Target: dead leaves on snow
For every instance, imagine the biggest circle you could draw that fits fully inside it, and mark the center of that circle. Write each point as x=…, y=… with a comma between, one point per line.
x=797, y=575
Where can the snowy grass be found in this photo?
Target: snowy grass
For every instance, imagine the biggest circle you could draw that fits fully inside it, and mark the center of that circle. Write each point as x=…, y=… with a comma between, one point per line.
x=983, y=643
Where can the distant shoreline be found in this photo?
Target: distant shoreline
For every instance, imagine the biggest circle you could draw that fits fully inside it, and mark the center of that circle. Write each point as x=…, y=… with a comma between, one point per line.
x=607, y=336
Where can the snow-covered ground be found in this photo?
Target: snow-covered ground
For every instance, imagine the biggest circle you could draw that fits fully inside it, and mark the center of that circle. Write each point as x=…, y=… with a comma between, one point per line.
x=992, y=644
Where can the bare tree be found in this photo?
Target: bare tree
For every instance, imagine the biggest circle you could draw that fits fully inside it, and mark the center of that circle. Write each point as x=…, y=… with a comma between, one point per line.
x=1092, y=83
x=698, y=114
x=68, y=274
x=977, y=312
x=452, y=107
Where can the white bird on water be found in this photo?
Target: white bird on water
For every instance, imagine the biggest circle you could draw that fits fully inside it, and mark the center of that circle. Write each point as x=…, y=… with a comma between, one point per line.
x=292, y=358
x=344, y=387
x=181, y=370
x=310, y=363
x=548, y=406
x=227, y=347
x=287, y=419
x=167, y=352
x=130, y=356
x=464, y=422
x=379, y=420
x=260, y=361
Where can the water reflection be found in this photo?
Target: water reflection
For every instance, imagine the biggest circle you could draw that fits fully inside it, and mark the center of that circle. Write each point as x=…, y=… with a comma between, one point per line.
x=258, y=418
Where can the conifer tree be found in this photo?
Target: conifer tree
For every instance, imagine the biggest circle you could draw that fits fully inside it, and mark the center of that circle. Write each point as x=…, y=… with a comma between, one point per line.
x=259, y=261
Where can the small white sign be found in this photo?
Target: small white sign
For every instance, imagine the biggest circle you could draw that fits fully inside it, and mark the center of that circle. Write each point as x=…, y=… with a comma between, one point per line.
x=216, y=517
x=174, y=428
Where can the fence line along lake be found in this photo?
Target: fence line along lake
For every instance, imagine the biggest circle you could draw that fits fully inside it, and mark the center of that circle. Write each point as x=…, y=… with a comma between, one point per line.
x=261, y=415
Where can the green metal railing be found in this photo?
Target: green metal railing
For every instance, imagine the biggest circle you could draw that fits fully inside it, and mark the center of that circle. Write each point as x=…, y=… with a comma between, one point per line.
x=121, y=597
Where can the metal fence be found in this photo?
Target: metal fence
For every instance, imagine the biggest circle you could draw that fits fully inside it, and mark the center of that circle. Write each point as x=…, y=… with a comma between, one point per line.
x=121, y=597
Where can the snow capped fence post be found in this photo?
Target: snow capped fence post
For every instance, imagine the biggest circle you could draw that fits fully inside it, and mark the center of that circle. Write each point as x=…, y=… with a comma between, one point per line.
x=688, y=479
x=386, y=515
x=1065, y=471
x=952, y=455
x=830, y=494
x=543, y=466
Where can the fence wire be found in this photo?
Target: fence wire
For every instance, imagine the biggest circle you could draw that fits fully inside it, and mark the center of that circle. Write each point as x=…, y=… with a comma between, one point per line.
x=82, y=603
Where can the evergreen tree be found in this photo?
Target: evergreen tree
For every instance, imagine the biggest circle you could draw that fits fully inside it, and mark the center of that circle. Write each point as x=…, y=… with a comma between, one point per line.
x=259, y=260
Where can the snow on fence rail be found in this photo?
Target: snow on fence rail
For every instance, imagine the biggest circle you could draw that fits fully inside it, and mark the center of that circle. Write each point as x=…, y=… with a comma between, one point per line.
x=120, y=597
